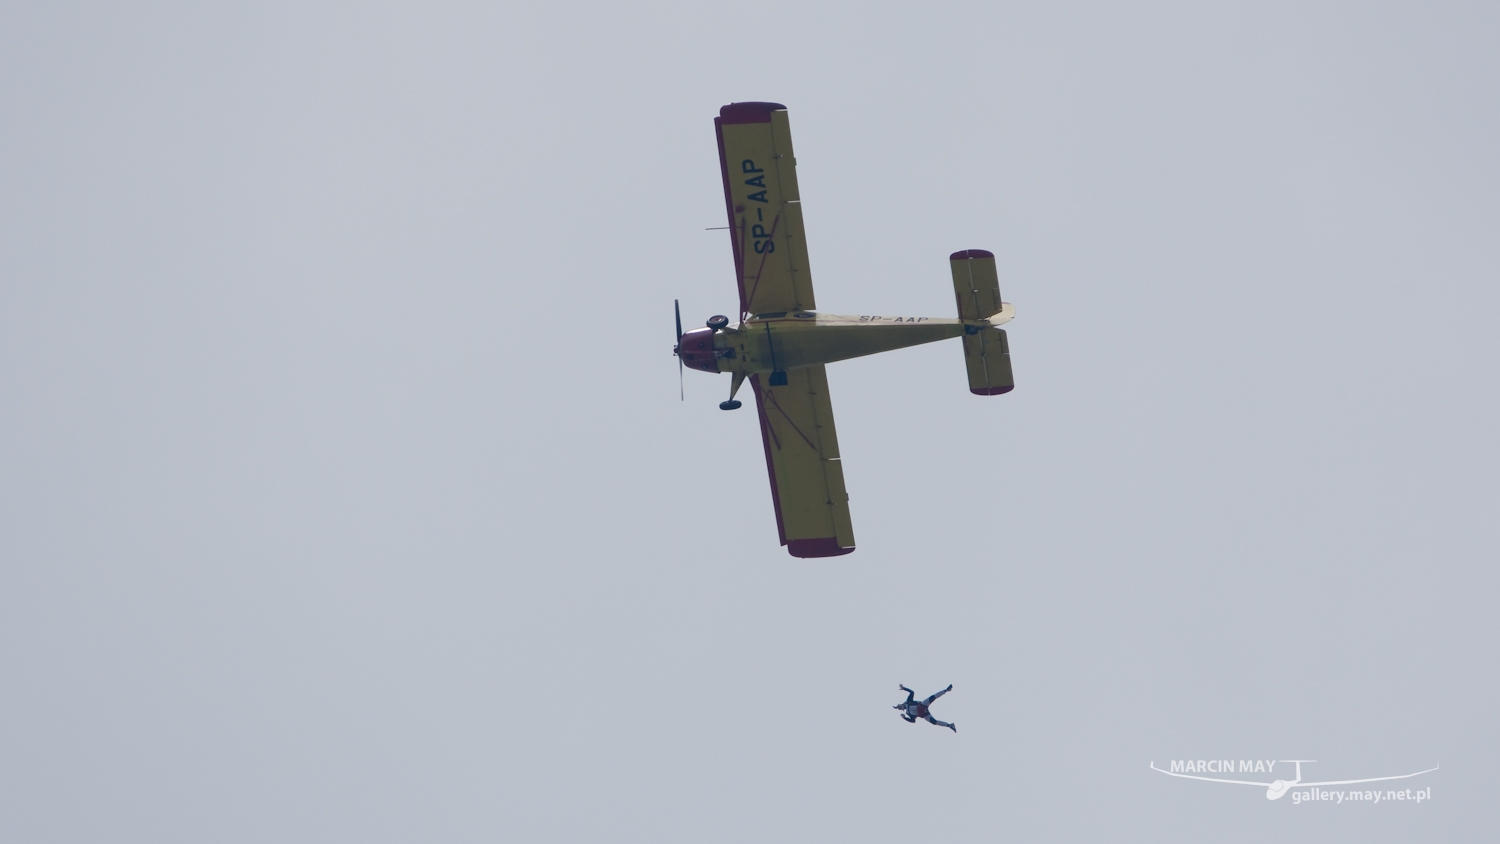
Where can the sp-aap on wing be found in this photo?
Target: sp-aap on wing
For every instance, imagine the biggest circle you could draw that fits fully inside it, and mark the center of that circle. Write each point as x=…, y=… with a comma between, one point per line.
x=780, y=343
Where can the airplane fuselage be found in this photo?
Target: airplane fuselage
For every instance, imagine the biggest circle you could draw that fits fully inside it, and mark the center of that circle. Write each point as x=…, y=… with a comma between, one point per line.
x=784, y=341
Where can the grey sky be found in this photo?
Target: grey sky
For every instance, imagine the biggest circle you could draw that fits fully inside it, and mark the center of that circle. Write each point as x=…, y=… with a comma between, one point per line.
x=347, y=495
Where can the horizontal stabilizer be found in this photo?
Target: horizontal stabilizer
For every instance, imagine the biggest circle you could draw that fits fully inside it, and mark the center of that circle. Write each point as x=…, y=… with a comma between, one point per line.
x=987, y=354
x=976, y=285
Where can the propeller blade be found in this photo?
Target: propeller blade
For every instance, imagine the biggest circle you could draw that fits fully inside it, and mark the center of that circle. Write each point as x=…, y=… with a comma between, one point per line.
x=677, y=310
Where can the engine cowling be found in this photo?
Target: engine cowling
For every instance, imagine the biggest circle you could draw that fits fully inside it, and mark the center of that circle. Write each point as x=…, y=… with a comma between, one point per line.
x=696, y=348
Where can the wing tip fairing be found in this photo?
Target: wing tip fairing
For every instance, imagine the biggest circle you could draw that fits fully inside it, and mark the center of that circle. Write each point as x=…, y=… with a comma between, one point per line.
x=825, y=546
x=749, y=112
x=971, y=253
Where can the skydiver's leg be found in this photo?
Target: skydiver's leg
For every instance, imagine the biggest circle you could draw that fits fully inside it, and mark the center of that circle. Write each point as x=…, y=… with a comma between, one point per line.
x=928, y=701
x=932, y=720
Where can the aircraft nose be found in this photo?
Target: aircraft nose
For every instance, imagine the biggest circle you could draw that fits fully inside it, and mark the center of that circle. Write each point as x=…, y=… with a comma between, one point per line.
x=696, y=348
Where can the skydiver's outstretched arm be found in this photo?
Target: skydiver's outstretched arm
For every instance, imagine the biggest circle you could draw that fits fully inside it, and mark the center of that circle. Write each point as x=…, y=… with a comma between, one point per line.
x=928, y=701
x=908, y=719
x=932, y=720
x=910, y=696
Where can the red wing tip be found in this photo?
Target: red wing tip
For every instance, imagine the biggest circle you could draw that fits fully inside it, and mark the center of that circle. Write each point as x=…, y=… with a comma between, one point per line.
x=749, y=112
x=825, y=546
x=991, y=391
x=971, y=253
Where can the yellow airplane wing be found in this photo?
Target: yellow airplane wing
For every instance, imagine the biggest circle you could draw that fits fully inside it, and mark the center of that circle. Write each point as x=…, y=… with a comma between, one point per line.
x=802, y=456
x=765, y=210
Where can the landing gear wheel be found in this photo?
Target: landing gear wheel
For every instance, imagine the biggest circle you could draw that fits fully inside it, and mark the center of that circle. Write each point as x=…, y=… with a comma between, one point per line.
x=732, y=404
x=718, y=322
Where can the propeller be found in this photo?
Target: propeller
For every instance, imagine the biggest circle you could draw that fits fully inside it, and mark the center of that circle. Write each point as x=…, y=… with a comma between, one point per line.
x=677, y=350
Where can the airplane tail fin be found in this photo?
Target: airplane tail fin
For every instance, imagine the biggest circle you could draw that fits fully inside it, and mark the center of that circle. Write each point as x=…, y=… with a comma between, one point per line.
x=976, y=286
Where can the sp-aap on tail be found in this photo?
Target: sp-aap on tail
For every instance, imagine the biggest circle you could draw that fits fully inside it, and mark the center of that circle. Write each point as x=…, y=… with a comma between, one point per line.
x=976, y=286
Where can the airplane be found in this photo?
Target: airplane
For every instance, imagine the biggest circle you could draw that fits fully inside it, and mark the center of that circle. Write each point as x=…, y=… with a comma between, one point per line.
x=1277, y=788
x=781, y=343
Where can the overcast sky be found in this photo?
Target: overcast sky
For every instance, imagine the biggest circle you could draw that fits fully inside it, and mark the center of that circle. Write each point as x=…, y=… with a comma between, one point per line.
x=346, y=495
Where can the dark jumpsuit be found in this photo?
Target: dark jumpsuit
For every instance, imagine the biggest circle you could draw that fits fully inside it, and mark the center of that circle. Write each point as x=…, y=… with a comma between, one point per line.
x=913, y=709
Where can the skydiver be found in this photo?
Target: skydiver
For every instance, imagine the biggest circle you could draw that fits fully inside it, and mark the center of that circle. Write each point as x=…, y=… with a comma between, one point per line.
x=913, y=709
